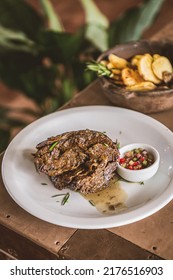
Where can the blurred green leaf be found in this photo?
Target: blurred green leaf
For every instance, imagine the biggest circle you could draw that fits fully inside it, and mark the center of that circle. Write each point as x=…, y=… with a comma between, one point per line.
x=97, y=25
x=27, y=111
x=54, y=22
x=98, y=35
x=81, y=81
x=132, y=24
x=5, y=138
x=93, y=14
x=8, y=122
x=18, y=15
x=32, y=78
x=68, y=89
x=3, y=110
x=15, y=41
x=61, y=47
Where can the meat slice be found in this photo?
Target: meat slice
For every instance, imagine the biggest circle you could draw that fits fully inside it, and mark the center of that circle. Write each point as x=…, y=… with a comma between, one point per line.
x=83, y=160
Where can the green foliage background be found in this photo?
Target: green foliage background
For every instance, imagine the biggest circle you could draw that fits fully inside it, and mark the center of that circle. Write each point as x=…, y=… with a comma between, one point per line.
x=46, y=63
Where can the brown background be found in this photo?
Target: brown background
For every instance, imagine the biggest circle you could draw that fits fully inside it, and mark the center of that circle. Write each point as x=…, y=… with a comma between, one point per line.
x=72, y=17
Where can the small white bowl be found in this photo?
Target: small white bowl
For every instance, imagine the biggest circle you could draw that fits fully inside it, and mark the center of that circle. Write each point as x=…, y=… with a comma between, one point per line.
x=142, y=174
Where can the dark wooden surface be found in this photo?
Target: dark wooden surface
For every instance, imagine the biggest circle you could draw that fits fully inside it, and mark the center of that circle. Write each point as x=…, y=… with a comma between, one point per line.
x=102, y=245
x=19, y=247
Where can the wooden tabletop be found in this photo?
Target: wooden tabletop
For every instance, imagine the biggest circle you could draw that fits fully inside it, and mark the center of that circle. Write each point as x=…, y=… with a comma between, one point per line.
x=24, y=236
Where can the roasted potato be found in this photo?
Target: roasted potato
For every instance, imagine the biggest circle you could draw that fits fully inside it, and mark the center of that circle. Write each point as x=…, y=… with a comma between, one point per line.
x=142, y=72
x=113, y=69
x=130, y=77
x=160, y=65
x=155, y=56
x=145, y=69
x=117, y=61
x=116, y=71
x=135, y=60
x=142, y=86
x=104, y=62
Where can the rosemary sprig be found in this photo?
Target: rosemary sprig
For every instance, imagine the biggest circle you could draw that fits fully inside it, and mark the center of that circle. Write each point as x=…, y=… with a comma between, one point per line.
x=100, y=68
x=65, y=199
x=91, y=202
x=61, y=194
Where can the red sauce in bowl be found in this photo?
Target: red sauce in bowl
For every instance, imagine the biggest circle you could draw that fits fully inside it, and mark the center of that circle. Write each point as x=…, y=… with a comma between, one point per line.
x=136, y=159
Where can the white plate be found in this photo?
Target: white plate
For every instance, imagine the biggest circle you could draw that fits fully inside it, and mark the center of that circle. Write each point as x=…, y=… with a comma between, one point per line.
x=24, y=184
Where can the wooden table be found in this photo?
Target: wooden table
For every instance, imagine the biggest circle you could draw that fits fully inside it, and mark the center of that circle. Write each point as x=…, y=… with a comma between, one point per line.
x=23, y=236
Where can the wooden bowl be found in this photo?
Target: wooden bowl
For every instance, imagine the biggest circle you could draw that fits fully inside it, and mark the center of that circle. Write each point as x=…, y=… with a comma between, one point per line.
x=150, y=101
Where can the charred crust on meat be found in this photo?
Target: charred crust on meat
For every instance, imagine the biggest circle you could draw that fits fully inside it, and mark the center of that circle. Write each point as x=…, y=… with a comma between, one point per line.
x=83, y=160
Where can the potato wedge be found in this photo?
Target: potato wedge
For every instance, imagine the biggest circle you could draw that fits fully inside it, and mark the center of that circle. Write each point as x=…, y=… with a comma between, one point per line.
x=117, y=77
x=110, y=65
x=130, y=77
x=161, y=65
x=117, y=61
x=155, y=56
x=142, y=86
x=145, y=69
x=114, y=70
x=104, y=62
x=135, y=60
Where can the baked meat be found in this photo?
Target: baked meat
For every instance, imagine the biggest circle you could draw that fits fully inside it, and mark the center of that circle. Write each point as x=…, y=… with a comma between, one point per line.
x=83, y=160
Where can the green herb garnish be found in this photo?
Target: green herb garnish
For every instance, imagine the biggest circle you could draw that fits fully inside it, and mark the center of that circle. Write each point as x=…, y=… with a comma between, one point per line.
x=53, y=146
x=100, y=68
x=44, y=184
x=118, y=145
x=105, y=144
x=65, y=199
x=61, y=194
x=91, y=202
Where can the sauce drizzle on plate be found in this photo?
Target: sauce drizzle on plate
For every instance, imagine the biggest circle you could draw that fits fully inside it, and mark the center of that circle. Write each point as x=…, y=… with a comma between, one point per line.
x=110, y=200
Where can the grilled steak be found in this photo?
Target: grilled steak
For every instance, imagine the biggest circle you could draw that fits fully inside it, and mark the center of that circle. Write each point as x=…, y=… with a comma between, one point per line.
x=83, y=160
